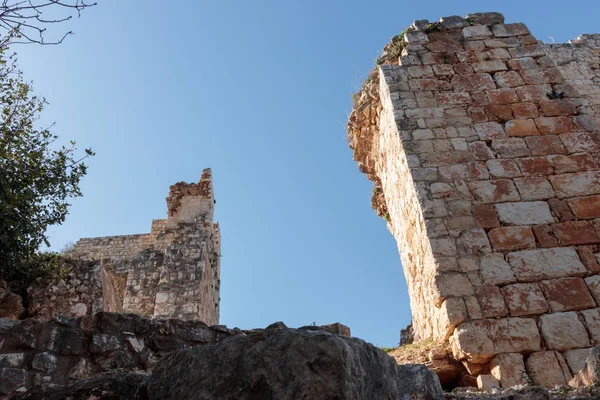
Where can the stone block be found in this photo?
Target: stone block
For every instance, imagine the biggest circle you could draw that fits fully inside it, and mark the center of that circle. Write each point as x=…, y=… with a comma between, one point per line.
x=473, y=82
x=498, y=112
x=524, y=110
x=524, y=213
x=487, y=382
x=546, y=370
x=524, y=299
x=575, y=232
x=488, y=18
x=509, y=79
x=495, y=270
x=545, y=145
x=453, y=312
x=585, y=207
x=503, y=95
x=508, y=30
x=473, y=242
x=576, y=359
x=510, y=148
x=509, y=369
x=593, y=283
x=533, y=93
x=553, y=328
x=534, y=188
x=521, y=127
x=480, y=151
x=512, y=238
x=478, y=341
x=491, y=301
x=555, y=125
x=477, y=32
x=561, y=210
x=490, y=131
x=581, y=141
x=567, y=294
x=535, y=166
x=559, y=107
x=535, y=265
x=494, y=191
x=576, y=184
x=592, y=321
x=545, y=236
x=588, y=258
x=503, y=168
x=451, y=284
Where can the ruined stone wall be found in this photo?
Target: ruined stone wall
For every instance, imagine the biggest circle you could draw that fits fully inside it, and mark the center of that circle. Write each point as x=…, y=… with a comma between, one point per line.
x=172, y=272
x=483, y=144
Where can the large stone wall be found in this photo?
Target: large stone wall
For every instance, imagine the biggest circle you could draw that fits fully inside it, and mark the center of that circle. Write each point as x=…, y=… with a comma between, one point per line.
x=484, y=144
x=171, y=272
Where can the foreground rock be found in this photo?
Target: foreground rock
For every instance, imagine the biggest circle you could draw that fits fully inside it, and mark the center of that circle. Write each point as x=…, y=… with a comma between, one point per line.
x=590, y=374
x=107, y=386
x=11, y=304
x=289, y=364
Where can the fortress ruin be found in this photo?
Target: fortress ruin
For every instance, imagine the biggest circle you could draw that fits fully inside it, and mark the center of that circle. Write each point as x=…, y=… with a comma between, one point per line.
x=484, y=145
x=171, y=272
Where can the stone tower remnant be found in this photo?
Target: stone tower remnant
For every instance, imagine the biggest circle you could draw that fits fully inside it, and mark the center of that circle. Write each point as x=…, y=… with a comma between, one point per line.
x=171, y=272
x=484, y=146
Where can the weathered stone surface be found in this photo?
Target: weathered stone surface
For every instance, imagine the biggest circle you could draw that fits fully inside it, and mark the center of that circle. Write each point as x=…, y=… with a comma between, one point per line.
x=535, y=265
x=289, y=364
x=553, y=328
x=109, y=385
x=576, y=359
x=495, y=270
x=478, y=341
x=524, y=299
x=546, y=370
x=524, y=213
x=512, y=238
x=590, y=374
x=487, y=382
x=592, y=321
x=567, y=294
x=508, y=369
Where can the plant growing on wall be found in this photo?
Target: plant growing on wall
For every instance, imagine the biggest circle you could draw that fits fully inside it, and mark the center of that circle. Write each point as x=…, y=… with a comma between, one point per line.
x=37, y=176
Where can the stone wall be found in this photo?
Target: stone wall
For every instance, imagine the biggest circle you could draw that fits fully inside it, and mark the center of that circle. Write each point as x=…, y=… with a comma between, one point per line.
x=64, y=350
x=484, y=144
x=171, y=272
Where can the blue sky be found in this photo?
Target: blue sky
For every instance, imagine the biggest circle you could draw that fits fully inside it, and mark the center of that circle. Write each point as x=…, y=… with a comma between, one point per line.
x=260, y=91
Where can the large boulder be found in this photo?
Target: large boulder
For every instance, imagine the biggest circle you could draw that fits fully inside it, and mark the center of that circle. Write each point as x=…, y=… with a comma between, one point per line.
x=289, y=364
x=106, y=386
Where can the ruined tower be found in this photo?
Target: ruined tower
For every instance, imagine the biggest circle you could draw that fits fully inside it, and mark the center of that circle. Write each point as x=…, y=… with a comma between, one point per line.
x=171, y=272
x=484, y=145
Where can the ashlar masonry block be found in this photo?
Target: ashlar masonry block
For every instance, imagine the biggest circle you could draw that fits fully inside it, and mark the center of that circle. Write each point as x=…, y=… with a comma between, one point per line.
x=483, y=144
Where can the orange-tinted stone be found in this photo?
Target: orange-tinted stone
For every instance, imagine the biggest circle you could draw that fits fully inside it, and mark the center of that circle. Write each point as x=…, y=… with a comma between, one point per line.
x=585, y=207
x=535, y=166
x=545, y=145
x=511, y=238
x=561, y=210
x=485, y=215
x=558, y=107
x=555, y=125
x=521, y=127
x=544, y=236
x=575, y=232
x=567, y=294
x=524, y=110
x=572, y=163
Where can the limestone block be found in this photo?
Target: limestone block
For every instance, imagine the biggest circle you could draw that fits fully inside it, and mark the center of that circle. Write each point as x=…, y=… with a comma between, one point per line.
x=488, y=18
x=491, y=301
x=508, y=369
x=592, y=320
x=511, y=238
x=525, y=213
x=473, y=242
x=495, y=270
x=567, y=294
x=477, y=32
x=576, y=184
x=478, y=341
x=534, y=188
x=553, y=328
x=452, y=284
x=546, y=370
x=494, y=191
x=585, y=207
x=524, y=299
x=487, y=382
x=534, y=265
x=503, y=168
x=452, y=313
x=593, y=283
x=576, y=359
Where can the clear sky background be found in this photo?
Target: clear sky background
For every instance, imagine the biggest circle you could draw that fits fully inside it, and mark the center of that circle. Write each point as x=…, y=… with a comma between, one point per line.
x=260, y=91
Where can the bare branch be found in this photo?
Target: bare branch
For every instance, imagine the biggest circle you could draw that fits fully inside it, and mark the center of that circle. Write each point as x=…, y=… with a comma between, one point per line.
x=23, y=21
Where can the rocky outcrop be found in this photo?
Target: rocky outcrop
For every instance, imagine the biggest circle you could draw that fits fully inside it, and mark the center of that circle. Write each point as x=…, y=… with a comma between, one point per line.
x=108, y=386
x=289, y=364
x=590, y=374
